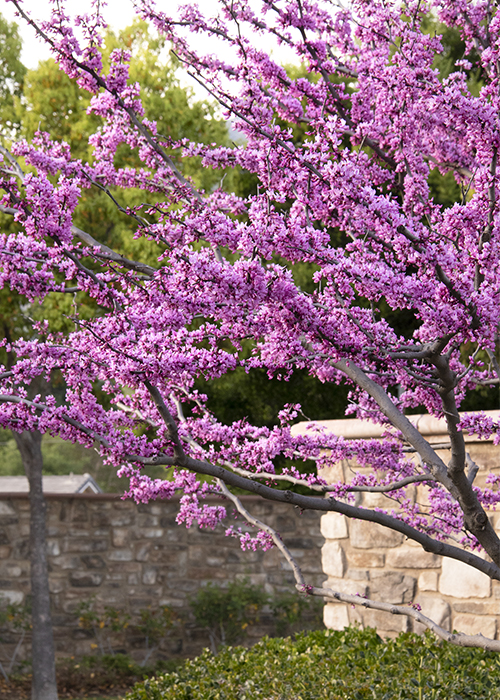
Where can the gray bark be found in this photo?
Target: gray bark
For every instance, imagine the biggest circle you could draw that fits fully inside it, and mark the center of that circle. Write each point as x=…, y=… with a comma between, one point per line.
x=42, y=645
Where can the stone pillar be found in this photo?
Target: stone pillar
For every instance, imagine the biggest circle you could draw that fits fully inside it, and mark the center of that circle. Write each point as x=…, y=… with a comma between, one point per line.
x=364, y=558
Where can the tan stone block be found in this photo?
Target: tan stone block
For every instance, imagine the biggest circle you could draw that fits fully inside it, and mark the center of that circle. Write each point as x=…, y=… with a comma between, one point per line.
x=142, y=551
x=151, y=533
x=220, y=561
x=55, y=531
x=122, y=519
x=53, y=548
x=391, y=587
x=356, y=615
x=12, y=597
x=462, y=581
x=66, y=562
x=101, y=532
x=346, y=585
x=434, y=608
x=358, y=574
x=255, y=579
x=333, y=559
x=334, y=526
x=475, y=624
x=6, y=509
x=366, y=535
x=474, y=608
x=172, y=602
x=385, y=622
x=423, y=495
x=56, y=586
x=71, y=544
x=365, y=559
x=5, y=552
x=406, y=558
x=120, y=555
x=149, y=576
x=85, y=579
x=333, y=474
x=335, y=616
x=375, y=500
x=121, y=536
x=115, y=576
x=428, y=581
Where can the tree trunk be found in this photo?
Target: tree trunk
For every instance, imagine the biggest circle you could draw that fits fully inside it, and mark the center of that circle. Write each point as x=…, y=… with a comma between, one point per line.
x=42, y=645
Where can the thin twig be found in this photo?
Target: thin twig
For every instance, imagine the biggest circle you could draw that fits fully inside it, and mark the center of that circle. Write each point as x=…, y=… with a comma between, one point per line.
x=266, y=528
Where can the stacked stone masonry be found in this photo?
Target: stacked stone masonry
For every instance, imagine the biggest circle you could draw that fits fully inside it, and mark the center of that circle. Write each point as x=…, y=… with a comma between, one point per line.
x=364, y=558
x=134, y=556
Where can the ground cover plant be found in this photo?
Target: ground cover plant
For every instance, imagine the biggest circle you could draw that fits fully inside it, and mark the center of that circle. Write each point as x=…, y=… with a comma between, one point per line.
x=339, y=260
x=351, y=664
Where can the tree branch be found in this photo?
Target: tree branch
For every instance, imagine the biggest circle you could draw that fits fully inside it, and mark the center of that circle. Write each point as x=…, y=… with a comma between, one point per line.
x=324, y=505
x=109, y=254
x=326, y=488
x=461, y=640
x=399, y=421
x=169, y=421
x=475, y=518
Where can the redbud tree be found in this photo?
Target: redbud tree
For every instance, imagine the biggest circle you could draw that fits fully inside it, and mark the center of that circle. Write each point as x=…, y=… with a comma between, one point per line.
x=348, y=200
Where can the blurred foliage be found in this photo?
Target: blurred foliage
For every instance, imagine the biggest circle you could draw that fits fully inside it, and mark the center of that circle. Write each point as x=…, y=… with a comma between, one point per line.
x=227, y=613
x=12, y=73
x=155, y=624
x=102, y=622
x=53, y=102
x=15, y=622
x=290, y=609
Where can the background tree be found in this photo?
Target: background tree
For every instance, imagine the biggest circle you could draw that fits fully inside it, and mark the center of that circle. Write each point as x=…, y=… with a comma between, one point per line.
x=12, y=73
x=350, y=202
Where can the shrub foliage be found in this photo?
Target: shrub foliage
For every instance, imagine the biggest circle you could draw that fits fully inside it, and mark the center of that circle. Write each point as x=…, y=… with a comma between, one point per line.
x=352, y=664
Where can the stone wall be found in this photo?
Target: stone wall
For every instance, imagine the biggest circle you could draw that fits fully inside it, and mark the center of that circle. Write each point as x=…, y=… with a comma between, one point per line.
x=366, y=559
x=133, y=556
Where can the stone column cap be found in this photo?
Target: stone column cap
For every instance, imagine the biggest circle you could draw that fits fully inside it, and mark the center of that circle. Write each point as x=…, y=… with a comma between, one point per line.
x=357, y=429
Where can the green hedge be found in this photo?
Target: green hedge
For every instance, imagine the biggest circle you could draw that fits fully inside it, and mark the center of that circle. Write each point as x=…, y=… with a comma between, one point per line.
x=350, y=665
